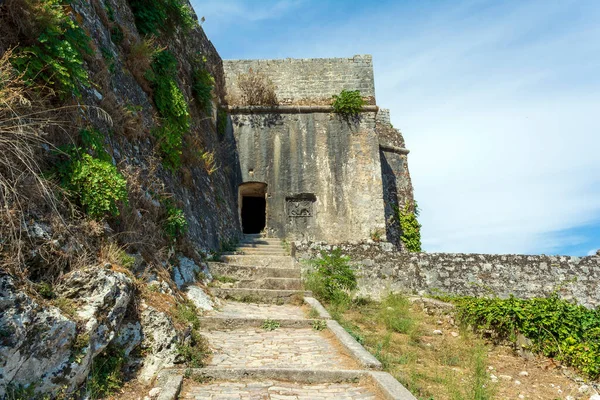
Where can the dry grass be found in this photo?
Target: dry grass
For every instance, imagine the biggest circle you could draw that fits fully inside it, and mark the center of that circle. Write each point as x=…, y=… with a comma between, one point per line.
x=440, y=367
x=29, y=126
x=256, y=89
x=139, y=60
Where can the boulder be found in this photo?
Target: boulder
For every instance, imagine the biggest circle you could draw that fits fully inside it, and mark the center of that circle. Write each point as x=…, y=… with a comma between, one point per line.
x=200, y=299
x=160, y=340
x=187, y=271
x=35, y=341
x=40, y=345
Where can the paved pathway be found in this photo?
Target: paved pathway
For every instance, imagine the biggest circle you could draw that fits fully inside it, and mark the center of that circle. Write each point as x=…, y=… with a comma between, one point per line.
x=297, y=361
x=277, y=390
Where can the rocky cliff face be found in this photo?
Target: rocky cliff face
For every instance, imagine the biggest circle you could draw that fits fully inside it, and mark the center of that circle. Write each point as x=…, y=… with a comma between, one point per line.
x=75, y=285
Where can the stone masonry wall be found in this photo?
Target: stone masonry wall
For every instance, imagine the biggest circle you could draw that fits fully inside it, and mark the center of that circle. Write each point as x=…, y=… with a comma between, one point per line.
x=319, y=161
x=383, y=269
x=307, y=81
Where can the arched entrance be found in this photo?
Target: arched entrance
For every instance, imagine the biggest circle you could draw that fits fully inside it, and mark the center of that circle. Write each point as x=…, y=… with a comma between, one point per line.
x=253, y=206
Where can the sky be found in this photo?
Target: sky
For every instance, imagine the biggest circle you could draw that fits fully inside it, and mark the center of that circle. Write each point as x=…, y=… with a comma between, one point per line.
x=499, y=103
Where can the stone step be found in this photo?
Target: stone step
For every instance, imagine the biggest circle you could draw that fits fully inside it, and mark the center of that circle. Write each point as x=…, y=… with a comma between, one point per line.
x=251, y=272
x=226, y=323
x=233, y=309
x=262, y=241
x=270, y=389
x=257, y=252
x=270, y=283
x=268, y=296
x=277, y=347
x=259, y=260
x=270, y=246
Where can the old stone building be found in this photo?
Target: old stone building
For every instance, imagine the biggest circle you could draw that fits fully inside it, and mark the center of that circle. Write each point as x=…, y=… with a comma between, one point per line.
x=306, y=172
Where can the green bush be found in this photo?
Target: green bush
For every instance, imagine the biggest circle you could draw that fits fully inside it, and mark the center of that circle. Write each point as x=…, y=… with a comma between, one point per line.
x=172, y=108
x=348, y=103
x=559, y=329
x=106, y=377
x=410, y=227
x=153, y=17
x=175, y=225
x=96, y=183
x=56, y=61
x=202, y=85
x=332, y=276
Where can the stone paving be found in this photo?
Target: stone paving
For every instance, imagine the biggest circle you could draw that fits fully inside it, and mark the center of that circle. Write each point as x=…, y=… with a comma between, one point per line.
x=249, y=348
x=282, y=347
x=278, y=390
x=233, y=309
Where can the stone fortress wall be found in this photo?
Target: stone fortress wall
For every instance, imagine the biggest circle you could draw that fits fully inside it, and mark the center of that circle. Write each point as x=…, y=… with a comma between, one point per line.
x=307, y=81
x=383, y=269
x=309, y=156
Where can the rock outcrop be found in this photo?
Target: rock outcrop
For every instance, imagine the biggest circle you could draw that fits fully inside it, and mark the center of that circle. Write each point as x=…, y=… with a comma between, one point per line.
x=42, y=346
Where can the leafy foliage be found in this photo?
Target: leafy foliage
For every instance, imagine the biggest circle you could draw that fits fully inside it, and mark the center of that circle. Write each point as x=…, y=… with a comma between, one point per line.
x=560, y=329
x=410, y=227
x=348, y=103
x=194, y=351
x=153, y=17
x=202, y=85
x=332, y=276
x=106, y=377
x=175, y=225
x=270, y=325
x=96, y=183
x=56, y=61
x=172, y=107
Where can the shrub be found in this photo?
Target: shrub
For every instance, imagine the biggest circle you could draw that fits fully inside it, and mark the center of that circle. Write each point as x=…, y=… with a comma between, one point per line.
x=172, y=107
x=348, y=103
x=410, y=227
x=97, y=184
x=175, y=225
x=153, y=17
x=256, y=89
x=202, y=85
x=56, y=60
x=332, y=276
x=560, y=329
x=106, y=377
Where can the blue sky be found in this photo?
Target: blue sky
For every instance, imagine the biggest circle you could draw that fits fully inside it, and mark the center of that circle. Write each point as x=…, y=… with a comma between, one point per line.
x=499, y=103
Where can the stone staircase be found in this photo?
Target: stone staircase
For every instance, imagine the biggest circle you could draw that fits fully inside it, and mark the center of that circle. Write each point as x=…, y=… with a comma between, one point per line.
x=263, y=272
x=271, y=340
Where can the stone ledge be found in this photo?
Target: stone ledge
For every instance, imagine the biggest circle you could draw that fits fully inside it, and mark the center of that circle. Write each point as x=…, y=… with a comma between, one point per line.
x=169, y=382
x=314, y=303
x=288, y=109
x=389, y=387
x=364, y=358
x=393, y=149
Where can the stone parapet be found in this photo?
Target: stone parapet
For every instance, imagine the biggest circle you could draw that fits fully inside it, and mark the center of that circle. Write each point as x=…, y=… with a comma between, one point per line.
x=381, y=269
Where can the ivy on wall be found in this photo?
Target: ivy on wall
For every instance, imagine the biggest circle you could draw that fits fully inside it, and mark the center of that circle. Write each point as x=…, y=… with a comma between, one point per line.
x=410, y=226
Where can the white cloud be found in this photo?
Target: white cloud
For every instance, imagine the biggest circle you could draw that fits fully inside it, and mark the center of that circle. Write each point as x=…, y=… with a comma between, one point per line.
x=592, y=252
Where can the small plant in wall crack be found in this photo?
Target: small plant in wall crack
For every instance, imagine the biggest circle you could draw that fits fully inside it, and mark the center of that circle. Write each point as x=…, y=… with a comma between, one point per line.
x=348, y=103
x=319, y=325
x=270, y=325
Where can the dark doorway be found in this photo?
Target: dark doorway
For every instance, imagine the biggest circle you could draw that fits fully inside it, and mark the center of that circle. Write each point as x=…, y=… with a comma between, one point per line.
x=253, y=214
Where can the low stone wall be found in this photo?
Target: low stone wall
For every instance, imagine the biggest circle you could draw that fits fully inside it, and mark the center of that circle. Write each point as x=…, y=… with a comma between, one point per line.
x=381, y=269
